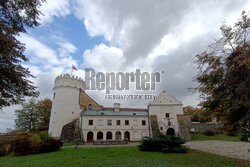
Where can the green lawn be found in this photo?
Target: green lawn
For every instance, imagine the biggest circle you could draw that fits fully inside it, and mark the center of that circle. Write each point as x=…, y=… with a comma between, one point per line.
x=224, y=137
x=68, y=144
x=126, y=156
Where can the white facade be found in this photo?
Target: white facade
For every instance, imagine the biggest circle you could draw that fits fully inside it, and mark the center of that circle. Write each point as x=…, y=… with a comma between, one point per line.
x=166, y=108
x=135, y=128
x=65, y=107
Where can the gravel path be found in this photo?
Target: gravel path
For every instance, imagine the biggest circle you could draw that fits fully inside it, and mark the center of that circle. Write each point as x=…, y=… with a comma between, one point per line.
x=239, y=150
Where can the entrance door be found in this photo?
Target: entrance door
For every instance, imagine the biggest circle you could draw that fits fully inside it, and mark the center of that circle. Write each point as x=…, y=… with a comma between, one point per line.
x=99, y=136
x=90, y=136
x=127, y=135
x=109, y=135
x=118, y=135
x=170, y=132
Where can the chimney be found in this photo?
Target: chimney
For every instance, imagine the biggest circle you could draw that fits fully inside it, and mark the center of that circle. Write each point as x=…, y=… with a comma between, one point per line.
x=116, y=106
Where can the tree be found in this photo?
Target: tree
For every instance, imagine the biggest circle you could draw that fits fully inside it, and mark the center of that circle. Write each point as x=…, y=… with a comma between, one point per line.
x=197, y=114
x=15, y=16
x=44, y=109
x=26, y=117
x=33, y=116
x=224, y=74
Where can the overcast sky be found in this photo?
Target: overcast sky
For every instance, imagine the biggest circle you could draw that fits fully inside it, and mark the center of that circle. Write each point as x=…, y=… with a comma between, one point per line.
x=116, y=35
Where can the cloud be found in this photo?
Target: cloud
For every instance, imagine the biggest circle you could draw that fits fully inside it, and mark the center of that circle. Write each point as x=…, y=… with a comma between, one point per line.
x=155, y=35
x=54, y=8
x=7, y=118
x=46, y=59
x=40, y=52
x=103, y=58
x=138, y=27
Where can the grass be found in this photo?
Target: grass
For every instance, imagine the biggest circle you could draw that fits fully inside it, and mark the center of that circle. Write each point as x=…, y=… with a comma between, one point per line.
x=224, y=137
x=68, y=144
x=122, y=157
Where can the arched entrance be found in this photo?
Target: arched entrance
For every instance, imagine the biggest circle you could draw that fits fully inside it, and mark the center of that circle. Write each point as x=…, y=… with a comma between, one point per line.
x=170, y=132
x=99, y=136
x=118, y=135
x=127, y=135
x=90, y=136
x=109, y=135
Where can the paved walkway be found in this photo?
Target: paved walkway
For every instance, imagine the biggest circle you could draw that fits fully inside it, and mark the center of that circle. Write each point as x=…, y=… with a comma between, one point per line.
x=239, y=150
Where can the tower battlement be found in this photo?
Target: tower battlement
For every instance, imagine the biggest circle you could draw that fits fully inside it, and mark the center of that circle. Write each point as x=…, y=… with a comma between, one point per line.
x=66, y=80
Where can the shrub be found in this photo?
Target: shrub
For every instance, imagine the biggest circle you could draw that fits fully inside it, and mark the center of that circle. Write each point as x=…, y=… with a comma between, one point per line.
x=244, y=135
x=22, y=144
x=202, y=120
x=44, y=136
x=25, y=144
x=231, y=133
x=50, y=145
x=3, y=150
x=209, y=132
x=163, y=143
x=35, y=140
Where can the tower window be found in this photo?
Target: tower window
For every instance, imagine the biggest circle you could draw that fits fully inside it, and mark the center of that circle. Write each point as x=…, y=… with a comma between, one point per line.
x=126, y=122
x=90, y=106
x=90, y=122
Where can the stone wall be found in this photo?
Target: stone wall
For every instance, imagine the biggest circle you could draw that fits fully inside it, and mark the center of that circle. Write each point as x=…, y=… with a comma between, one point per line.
x=204, y=126
x=184, y=126
x=154, y=125
x=85, y=100
x=71, y=132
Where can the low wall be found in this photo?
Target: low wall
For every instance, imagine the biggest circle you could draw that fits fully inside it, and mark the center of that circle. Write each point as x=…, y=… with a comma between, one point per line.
x=204, y=126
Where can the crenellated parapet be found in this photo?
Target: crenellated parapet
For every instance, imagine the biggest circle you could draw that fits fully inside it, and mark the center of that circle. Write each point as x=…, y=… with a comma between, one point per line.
x=66, y=80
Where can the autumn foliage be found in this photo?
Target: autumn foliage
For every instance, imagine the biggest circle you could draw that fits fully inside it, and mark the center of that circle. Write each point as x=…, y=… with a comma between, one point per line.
x=224, y=75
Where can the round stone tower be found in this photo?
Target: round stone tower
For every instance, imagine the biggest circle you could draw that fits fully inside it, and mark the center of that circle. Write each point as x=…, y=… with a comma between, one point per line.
x=65, y=107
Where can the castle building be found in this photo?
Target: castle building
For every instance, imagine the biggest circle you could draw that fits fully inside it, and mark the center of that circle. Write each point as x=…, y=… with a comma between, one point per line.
x=73, y=111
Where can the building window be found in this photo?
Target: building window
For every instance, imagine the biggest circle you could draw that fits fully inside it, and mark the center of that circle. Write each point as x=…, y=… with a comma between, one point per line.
x=109, y=122
x=143, y=122
x=54, y=95
x=167, y=115
x=161, y=128
x=90, y=122
x=90, y=106
x=126, y=122
x=118, y=122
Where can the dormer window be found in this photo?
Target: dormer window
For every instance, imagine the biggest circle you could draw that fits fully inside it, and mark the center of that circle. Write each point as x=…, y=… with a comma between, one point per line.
x=90, y=106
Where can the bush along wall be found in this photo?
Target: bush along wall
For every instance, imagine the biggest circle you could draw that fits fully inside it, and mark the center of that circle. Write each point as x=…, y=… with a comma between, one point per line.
x=163, y=143
x=26, y=143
